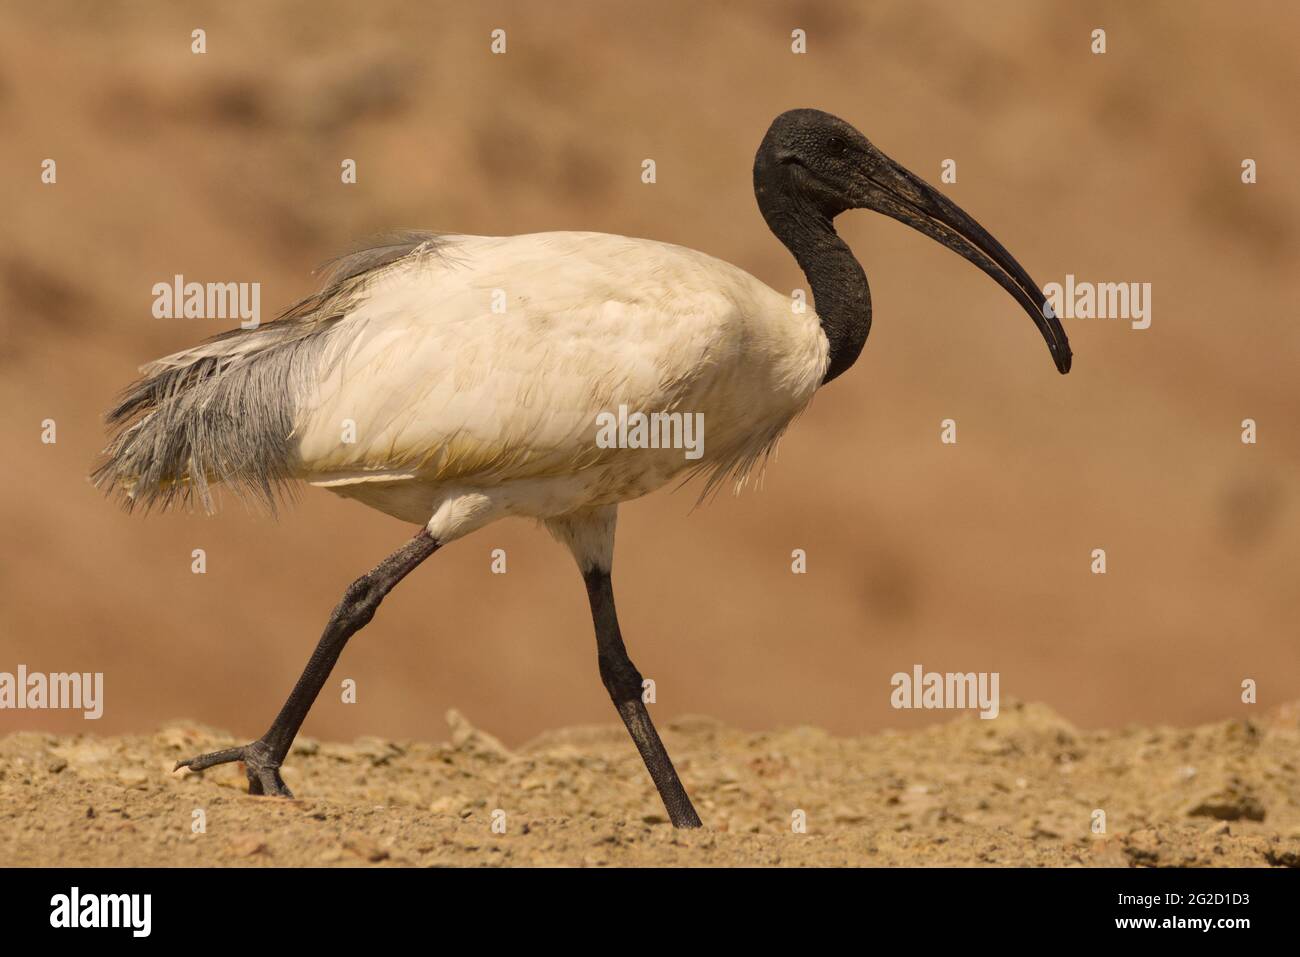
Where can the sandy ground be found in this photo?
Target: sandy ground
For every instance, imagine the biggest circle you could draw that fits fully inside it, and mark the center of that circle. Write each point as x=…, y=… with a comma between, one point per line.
x=1020, y=790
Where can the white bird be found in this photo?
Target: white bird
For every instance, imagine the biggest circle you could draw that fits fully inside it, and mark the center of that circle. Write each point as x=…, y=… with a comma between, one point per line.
x=454, y=380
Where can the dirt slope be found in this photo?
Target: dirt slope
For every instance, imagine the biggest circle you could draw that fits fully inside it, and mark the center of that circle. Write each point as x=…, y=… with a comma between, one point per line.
x=1017, y=791
x=974, y=557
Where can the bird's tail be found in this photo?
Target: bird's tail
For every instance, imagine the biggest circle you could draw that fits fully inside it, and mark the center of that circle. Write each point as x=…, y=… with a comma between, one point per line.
x=220, y=412
x=224, y=411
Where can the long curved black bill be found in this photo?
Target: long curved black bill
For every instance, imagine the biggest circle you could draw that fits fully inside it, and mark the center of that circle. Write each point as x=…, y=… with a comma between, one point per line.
x=904, y=196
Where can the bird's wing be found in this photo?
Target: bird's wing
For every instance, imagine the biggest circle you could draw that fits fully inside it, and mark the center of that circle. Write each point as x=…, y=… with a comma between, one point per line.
x=492, y=360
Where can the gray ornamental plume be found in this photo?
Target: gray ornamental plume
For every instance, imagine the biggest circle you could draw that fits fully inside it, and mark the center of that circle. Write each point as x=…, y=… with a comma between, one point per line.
x=224, y=411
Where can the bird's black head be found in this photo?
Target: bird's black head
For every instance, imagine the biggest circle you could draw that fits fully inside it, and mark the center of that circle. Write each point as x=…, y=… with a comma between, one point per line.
x=812, y=166
x=815, y=156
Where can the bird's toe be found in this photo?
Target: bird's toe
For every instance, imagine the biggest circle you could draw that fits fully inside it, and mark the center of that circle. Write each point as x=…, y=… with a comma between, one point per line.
x=260, y=765
x=211, y=759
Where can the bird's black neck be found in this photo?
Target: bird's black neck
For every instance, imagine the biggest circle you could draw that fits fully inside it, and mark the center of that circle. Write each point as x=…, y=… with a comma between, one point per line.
x=839, y=286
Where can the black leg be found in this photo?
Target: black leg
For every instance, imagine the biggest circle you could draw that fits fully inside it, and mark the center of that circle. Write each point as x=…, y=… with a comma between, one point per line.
x=262, y=758
x=623, y=682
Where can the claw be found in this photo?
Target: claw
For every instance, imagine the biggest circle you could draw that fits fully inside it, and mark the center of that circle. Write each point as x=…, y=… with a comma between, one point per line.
x=261, y=768
x=214, y=758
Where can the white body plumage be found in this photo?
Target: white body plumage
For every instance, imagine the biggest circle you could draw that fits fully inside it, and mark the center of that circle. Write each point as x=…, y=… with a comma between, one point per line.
x=469, y=381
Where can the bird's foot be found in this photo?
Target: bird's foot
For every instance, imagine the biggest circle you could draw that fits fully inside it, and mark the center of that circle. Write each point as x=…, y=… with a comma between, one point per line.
x=260, y=765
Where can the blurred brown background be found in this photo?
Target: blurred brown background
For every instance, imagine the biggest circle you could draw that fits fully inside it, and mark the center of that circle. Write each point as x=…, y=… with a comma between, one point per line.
x=1122, y=167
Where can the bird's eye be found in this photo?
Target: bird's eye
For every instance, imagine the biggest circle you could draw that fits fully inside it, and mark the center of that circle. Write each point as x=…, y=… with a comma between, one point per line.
x=837, y=145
